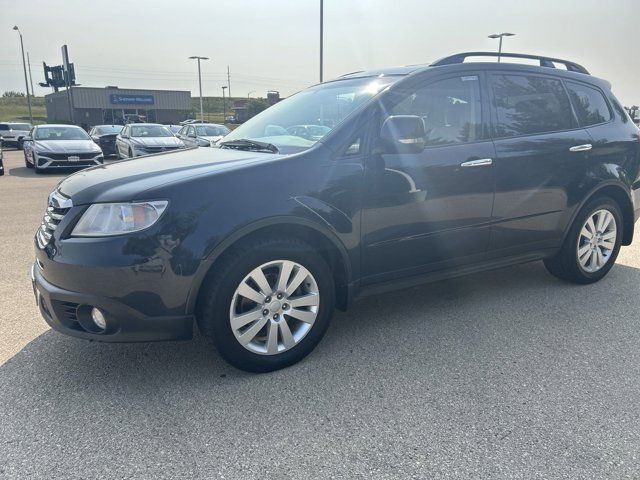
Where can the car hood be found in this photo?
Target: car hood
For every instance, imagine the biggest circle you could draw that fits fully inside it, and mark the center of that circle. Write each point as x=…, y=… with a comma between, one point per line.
x=65, y=146
x=156, y=141
x=130, y=179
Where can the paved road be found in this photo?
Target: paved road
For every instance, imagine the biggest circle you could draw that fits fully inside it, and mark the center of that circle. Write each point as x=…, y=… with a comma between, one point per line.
x=506, y=374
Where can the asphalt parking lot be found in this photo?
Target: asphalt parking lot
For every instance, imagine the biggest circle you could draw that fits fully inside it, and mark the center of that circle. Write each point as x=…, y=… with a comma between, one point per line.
x=505, y=374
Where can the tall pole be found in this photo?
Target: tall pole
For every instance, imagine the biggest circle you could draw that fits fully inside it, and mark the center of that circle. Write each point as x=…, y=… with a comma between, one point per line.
x=30, y=77
x=224, y=105
x=321, y=36
x=195, y=57
x=229, y=82
x=200, y=87
x=500, y=36
x=26, y=82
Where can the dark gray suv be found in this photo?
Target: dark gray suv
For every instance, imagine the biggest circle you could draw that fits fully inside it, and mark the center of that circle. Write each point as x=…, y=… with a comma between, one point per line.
x=416, y=174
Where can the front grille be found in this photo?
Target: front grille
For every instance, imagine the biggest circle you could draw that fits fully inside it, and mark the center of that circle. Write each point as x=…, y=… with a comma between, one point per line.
x=158, y=149
x=65, y=156
x=52, y=217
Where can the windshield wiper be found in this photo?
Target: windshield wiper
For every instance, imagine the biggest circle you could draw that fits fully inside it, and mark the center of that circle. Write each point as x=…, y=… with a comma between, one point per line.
x=252, y=145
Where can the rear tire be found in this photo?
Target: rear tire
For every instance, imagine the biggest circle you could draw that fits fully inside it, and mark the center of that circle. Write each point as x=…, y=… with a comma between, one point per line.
x=293, y=339
x=585, y=261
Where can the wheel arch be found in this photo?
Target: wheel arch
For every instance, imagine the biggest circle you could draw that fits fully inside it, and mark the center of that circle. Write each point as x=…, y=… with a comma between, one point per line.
x=617, y=192
x=321, y=238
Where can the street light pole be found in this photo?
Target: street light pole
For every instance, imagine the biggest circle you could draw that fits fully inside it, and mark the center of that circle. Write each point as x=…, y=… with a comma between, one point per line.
x=321, y=36
x=224, y=104
x=249, y=94
x=24, y=66
x=200, y=82
x=500, y=36
x=33, y=92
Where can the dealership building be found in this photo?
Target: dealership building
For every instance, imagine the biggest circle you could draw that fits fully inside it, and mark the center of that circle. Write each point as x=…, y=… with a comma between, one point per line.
x=112, y=105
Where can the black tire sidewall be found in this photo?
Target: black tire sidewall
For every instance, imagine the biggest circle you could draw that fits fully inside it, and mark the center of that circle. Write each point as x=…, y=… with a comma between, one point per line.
x=223, y=336
x=571, y=250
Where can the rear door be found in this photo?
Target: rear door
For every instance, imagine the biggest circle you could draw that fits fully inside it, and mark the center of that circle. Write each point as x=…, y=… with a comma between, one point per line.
x=541, y=157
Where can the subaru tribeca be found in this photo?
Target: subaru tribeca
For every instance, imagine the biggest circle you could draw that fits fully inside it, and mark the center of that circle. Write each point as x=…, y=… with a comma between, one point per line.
x=424, y=172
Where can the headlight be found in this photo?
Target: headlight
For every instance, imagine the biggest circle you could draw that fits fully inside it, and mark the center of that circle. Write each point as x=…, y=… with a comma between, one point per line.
x=104, y=219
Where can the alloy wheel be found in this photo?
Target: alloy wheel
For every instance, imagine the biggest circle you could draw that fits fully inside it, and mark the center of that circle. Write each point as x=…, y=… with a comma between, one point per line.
x=274, y=307
x=597, y=241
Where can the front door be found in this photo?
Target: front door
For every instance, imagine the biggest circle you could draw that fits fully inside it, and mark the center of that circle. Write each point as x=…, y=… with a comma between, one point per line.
x=431, y=210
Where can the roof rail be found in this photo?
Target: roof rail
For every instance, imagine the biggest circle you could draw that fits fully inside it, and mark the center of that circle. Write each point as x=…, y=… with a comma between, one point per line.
x=544, y=61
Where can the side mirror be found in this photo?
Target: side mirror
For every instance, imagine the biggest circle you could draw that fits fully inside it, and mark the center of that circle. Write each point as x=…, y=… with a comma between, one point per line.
x=403, y=134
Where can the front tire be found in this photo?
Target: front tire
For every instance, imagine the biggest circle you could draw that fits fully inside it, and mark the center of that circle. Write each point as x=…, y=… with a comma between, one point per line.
x=592, y=244
x=268, y=304
x=26, y=161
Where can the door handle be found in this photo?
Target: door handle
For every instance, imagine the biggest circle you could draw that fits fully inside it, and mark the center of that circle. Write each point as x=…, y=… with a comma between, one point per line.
x=581, y=148
x=477, y=163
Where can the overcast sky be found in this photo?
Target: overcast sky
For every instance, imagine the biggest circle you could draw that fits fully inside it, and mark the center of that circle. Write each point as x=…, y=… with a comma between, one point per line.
x=273, y=44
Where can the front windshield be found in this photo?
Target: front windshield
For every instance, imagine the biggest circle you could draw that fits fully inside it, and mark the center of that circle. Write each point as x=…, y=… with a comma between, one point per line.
x=20, y=126
x=211, y=130
x=298, y=122
x=150, y=131
x=61, y=133
x=108, y=129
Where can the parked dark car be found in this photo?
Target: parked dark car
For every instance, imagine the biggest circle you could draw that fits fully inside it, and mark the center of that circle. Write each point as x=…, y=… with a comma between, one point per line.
x=1, y=162
x=60, y=146
x=12, y=134
x=430, y=172
x=105, y=137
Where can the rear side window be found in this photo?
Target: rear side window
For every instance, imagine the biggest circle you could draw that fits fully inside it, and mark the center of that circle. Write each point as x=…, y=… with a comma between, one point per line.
x=528, y=105
x=589, y=104
x=450, y=109
x=4, y=127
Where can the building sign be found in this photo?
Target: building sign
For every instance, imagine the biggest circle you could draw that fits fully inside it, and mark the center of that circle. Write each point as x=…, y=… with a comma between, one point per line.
x=118, y=99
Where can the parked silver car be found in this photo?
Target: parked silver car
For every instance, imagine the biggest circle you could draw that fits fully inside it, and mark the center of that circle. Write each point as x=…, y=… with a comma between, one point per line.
x=202, y=135
x=12, y=134
x=60, y=146
x=140, y=139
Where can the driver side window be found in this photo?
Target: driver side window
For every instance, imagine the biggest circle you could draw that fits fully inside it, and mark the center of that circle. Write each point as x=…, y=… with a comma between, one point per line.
x=449, y=108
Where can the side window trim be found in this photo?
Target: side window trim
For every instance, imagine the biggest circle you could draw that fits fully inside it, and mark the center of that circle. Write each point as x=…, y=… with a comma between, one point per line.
x=612, y=116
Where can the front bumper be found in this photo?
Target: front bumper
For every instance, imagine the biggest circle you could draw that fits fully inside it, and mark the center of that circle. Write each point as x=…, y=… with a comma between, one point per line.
x=46, y=162
x=65, y=311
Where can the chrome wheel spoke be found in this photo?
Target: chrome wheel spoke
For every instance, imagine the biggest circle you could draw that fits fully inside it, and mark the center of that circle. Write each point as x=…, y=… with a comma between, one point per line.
x=283, y=276
x=311, y=300
x=258, y=276
x=250, y=334
x=582, y=251
x=285, y=333
x=299, y=277
x=247, y=292
x=302, y=315
x=239, y=321
x=272, y=339
x=609, y=236
x=606, y=222
x=608, y=244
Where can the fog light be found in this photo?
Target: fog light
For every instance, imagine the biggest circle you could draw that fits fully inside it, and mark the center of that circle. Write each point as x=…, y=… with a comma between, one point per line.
x=98, y=318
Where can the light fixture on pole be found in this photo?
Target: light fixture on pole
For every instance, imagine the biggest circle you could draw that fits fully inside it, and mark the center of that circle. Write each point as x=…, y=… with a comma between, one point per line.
x=200, y=82
x=24, y=66
x=500, y=36
x=249, y=94
x=224, y=104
